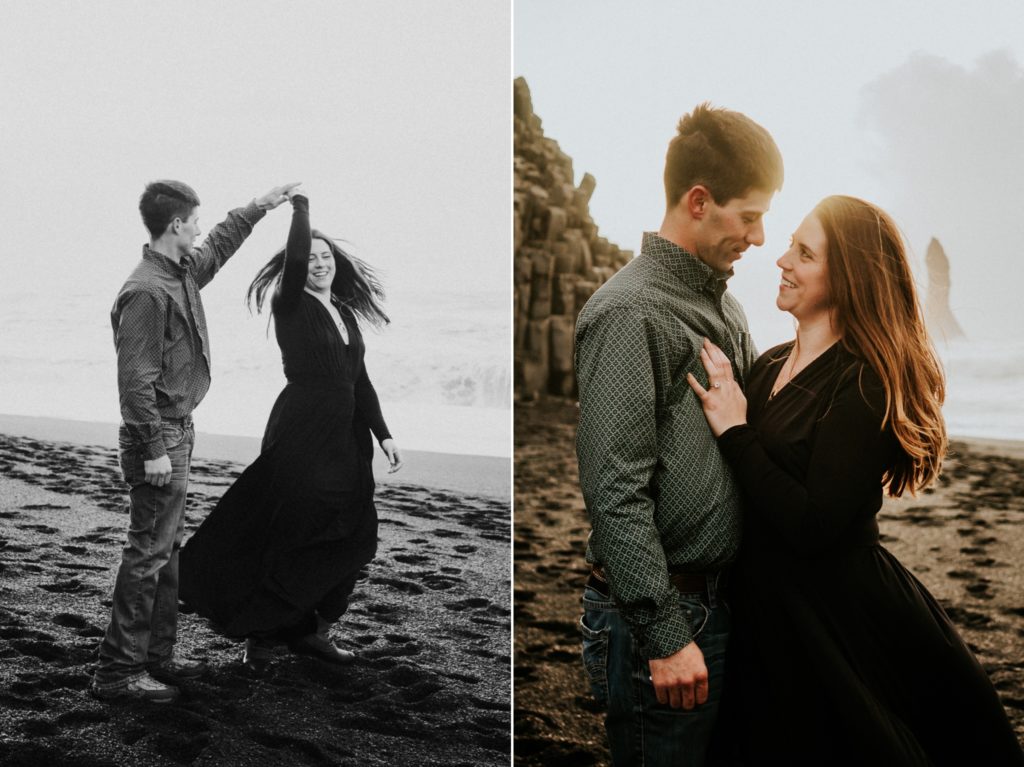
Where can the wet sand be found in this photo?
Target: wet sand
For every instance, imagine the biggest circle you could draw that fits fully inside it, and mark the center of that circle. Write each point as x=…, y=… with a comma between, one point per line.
x=962, y=539
x=429, y=623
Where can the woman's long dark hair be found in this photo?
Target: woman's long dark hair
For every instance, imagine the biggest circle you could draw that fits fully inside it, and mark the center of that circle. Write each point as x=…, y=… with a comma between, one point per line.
x=355, y=284
x=879, y=318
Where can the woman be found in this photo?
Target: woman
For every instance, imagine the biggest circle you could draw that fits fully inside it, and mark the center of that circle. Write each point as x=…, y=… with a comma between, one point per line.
x=278, y=557
x=839, y=654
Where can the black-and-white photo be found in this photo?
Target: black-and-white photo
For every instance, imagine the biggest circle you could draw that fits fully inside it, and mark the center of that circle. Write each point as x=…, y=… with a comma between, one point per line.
x=255, y=439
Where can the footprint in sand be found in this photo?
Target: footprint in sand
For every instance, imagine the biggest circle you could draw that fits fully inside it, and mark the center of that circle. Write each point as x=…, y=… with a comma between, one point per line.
x=439, y=582
x=82, y=626
x=291, y=750
x=70, y=586
x=411, y=559
x=406, y=587
x=46, y=529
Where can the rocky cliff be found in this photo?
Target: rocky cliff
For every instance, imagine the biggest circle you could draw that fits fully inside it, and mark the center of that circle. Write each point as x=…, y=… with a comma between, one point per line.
x=560, y=260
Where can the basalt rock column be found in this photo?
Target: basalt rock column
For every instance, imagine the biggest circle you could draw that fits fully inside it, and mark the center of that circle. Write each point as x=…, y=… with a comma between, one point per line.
x=559, y=258
x=938, y=316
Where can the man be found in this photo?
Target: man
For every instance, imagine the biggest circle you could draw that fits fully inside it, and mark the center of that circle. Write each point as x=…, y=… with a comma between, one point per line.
x=163, y=372
x=663, y=506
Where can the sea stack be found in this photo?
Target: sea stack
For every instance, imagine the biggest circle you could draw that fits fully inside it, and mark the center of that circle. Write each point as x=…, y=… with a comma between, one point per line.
x=559, y=258
x=937, y=314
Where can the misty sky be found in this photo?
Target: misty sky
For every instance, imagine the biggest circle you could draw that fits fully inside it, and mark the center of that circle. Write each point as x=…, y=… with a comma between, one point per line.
x=917, y=106
x=389, y=112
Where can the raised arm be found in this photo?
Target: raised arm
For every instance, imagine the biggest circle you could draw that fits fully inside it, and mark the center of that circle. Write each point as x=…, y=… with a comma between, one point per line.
x=227, y=237
x=296, y=258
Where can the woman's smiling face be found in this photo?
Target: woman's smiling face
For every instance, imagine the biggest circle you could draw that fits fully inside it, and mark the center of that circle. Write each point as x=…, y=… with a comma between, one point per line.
x=321, y=267
x=803, y=290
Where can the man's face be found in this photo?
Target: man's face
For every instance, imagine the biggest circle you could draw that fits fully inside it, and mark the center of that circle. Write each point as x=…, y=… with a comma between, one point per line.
x=728, y=230
x=187, y=231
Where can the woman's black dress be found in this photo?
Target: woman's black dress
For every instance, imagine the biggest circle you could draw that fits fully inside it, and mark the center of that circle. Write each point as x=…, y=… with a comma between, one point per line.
x=838, y=654
x=300, y=522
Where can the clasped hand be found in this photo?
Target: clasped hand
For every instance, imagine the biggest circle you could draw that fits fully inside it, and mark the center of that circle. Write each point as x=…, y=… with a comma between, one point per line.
x=723, y=401
x=276, y=196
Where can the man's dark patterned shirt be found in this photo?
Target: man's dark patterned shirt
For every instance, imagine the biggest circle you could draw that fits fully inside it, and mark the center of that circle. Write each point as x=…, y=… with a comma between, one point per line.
x=659, y=494
x=163, y=349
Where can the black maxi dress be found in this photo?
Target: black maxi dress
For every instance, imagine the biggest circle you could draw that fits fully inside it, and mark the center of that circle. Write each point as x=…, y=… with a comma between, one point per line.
x=300, y=522
x=839, y=655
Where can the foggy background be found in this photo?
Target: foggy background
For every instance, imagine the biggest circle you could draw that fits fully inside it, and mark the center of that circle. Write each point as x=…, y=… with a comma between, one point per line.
x=916, y=106
x=394, y=115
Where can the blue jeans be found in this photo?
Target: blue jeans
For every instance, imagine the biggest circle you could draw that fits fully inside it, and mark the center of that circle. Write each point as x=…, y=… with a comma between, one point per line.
x=144, y=615
x=640, y=730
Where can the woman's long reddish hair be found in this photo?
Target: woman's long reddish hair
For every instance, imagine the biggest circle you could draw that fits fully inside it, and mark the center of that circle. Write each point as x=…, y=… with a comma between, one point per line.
x=878, y=317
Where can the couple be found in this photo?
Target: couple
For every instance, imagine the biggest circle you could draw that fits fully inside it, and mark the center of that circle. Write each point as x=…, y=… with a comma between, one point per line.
x=278, y=557
x=809, y=644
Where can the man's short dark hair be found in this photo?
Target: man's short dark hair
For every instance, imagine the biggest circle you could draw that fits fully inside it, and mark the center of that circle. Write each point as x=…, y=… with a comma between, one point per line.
x=164, y=201
x=725, y=151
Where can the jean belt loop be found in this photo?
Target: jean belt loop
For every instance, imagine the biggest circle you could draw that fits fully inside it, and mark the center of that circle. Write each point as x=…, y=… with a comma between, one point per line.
x=713, y=590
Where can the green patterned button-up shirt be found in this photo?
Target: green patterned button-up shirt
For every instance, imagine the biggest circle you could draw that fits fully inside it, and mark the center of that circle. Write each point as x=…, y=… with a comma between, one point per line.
x=658, y=491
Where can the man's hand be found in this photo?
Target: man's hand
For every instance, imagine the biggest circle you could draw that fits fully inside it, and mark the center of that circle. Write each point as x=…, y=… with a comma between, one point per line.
x=275, y=196
x=680, y=680
x=158, y=470
x=394, y=459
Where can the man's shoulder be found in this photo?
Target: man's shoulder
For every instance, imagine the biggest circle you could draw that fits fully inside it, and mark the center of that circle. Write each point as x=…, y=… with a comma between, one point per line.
x=628, y=287
x=145, y=279
x=639, y=288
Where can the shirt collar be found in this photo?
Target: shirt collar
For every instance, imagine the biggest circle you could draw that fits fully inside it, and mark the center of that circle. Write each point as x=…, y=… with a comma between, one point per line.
x=684, y=265
x=164, y=263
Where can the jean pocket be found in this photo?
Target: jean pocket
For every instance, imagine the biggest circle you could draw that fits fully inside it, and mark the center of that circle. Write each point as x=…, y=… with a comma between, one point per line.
x=595, y=659
x=696, y=614
x=173, y=434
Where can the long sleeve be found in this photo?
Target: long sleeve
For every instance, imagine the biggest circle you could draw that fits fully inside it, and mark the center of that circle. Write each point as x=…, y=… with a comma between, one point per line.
x=618, y=452
x=223, y=241
x=296, y=259
x=138, y=339
x=843, y=478
x=369, y=406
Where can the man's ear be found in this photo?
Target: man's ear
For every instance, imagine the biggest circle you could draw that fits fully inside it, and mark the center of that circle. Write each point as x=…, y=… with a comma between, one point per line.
x=696, y=201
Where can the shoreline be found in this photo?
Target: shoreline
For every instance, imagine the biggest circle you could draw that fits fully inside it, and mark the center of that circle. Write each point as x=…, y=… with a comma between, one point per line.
x=429, y=623
x=488, y=476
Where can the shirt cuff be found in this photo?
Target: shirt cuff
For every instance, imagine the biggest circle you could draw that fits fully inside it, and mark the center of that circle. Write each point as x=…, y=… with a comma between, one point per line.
x=252, y=212
x=148, y=439
x=665, y=637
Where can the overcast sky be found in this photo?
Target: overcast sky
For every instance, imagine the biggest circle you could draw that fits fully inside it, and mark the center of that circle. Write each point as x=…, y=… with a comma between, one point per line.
x=392, y=113
x=917, y=106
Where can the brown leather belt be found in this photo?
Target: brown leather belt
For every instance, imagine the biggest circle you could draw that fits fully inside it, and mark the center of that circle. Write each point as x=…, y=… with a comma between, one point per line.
x=685, y=583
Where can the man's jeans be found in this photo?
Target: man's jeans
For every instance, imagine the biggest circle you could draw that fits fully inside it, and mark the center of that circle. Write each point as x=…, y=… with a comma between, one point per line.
x=144, y=616
x=640, y=730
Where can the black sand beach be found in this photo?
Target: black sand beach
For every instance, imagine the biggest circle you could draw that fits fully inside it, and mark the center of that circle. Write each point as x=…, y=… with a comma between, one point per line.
x=962, y=539
x=429, y=623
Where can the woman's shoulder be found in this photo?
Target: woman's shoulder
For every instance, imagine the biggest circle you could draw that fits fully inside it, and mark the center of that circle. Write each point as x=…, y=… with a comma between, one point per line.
x=855, y=374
